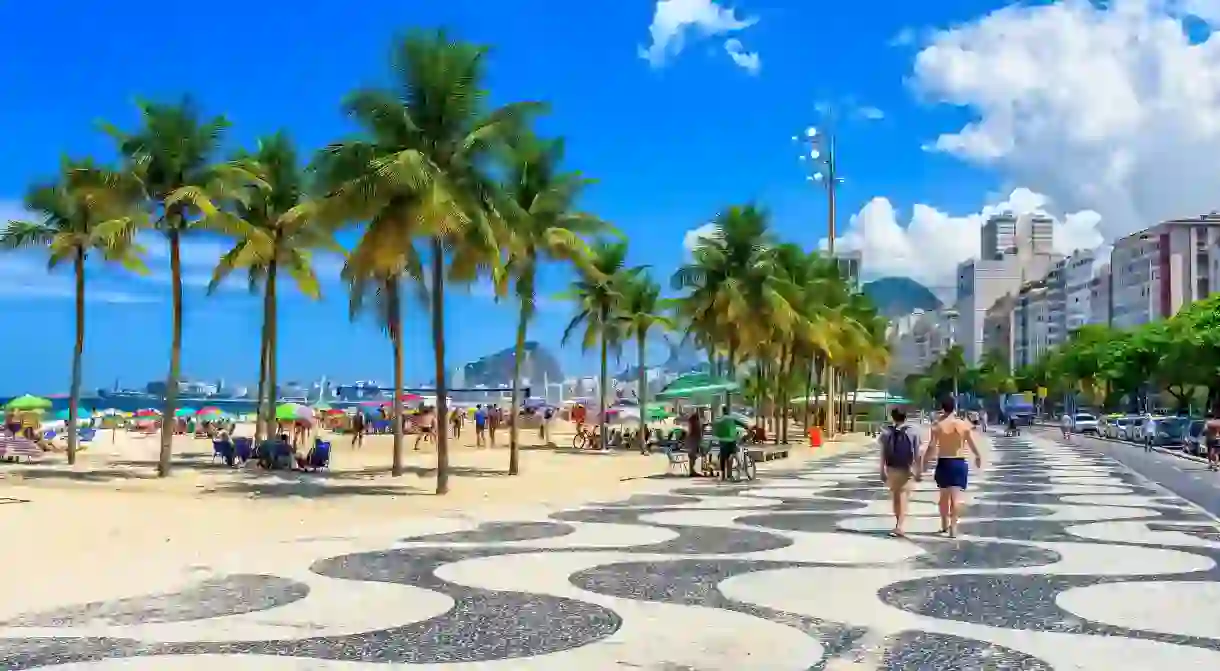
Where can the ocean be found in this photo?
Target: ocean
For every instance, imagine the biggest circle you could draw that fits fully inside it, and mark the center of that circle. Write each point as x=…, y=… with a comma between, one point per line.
x=129, y=404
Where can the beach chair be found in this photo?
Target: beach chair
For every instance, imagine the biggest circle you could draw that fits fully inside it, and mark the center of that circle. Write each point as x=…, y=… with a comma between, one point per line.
x=86, y=435
x=224, y=450
x=319, y=456
x=243, y=448
x=677, y=458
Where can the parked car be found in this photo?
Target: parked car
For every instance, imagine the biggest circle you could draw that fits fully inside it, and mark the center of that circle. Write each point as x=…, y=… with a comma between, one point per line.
x=1170, y=431
x=1193, y=438
x=1084, y=423
x=1132, y=429
x=1118, y=427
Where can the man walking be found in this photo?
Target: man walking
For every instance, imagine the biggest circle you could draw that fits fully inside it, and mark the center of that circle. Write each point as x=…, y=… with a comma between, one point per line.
x=899, y=465
x=1211, y=438
x=951, y=437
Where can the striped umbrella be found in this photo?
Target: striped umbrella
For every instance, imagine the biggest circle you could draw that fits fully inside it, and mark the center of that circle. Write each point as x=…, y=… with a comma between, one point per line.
x=16, y=446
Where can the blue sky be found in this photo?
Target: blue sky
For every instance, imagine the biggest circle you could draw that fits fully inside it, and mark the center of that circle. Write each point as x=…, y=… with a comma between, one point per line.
x=669, y=143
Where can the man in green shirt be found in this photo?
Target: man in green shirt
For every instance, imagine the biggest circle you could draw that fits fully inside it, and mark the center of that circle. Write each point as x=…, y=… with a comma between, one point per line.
x=725, y=432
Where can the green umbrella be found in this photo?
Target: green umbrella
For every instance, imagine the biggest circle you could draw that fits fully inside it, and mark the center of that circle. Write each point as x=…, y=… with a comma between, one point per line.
x=185, y=412
x=28, y=402
x=657, y=411
x=696, y=384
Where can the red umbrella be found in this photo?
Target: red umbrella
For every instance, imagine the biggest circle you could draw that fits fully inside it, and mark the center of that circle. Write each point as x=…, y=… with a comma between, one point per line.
x=210, y=410
x=412, y=397
x=147, y=412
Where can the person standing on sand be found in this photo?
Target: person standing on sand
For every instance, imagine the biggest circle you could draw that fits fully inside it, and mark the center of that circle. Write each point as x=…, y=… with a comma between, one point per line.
x=899, y=465
x=455, y=421
x=493, y=423
x=358, y=429
x=949, y=435
x=480, y=426
x=427, y=425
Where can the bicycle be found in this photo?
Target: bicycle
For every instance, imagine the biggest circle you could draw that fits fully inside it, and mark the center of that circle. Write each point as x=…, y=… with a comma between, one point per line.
x=585, y=440
x=742, y=465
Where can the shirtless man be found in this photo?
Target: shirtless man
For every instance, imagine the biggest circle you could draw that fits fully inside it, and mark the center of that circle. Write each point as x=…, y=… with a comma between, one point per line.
x=1211, y=438
x=949, y=435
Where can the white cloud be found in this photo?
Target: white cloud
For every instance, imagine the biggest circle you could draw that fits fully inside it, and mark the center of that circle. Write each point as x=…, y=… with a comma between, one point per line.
x=673, y=20
x=1105, y=107
x=871, y=113
x=931, y=244
x=692, y=238
x=746, y=60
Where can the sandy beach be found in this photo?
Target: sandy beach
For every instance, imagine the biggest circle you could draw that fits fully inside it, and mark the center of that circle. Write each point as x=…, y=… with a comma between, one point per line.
x=111, y=507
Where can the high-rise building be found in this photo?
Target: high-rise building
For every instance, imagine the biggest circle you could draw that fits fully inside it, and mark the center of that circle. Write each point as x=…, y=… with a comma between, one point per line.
x=982, y=282
x=1156, y=272
x=999, y=237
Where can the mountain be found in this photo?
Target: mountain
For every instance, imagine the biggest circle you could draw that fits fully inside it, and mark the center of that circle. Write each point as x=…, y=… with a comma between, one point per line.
x=497, y=368
x=898, y=296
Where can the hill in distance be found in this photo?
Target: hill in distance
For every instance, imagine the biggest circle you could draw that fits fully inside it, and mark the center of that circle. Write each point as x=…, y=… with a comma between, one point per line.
x=898, y=296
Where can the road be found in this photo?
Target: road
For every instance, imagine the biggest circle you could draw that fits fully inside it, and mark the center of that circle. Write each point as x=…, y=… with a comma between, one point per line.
x=1188, y=479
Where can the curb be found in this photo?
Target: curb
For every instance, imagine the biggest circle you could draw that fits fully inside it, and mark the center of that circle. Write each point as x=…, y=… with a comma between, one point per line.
x=1180, y=454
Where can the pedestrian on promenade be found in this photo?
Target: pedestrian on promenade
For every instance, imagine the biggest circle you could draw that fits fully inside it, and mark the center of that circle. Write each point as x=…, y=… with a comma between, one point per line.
x=899, y=465
x=1211, y=437
x=950, y=436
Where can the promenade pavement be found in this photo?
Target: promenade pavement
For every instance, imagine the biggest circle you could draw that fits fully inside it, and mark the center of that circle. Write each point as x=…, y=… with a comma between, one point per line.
x=1067, y=560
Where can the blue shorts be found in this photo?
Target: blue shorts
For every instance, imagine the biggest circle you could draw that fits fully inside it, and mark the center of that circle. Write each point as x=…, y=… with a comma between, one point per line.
x=952, y=472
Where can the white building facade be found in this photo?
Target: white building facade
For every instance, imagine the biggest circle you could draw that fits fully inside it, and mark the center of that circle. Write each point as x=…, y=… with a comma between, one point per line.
x=1156, y=272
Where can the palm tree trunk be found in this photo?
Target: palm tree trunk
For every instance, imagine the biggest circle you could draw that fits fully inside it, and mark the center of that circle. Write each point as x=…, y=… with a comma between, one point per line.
x=643, y=391
x=855, y=395
x=514, y=433
x=438, y=347
x=603, y=380
x=831, y=400
x=808, y=393
x=78, y=354
x=261, y=428
x=273, y=343
x=779, y=395
x=175, y=353
x=394, y=319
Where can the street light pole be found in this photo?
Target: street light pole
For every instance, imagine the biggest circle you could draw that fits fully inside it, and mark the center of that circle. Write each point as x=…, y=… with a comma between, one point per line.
x=821, y=151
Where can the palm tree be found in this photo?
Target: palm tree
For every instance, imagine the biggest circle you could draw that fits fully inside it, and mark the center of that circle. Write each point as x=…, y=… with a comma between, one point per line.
x=276, y=235
x=423, y=164
x=731, y=279
x=386, y=290
x=80, y=214
x=598, y=292
x=171, y=157
x=642, y=310
x=376, y=179
x=542, y=224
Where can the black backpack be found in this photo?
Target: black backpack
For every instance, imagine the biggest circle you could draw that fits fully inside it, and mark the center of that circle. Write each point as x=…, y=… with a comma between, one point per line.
x=899, y=448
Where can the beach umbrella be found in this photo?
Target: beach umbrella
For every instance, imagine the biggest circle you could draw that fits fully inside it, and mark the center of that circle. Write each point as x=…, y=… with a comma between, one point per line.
x=63, y=414
x=293, y=411
x=185, y=412
x=657, y=411
x=147, y=412
x=696, y=385
x=28, y=402
x=321, y=405
x=210, y=410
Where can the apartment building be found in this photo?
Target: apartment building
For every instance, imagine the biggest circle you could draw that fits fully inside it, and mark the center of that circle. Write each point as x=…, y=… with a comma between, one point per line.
x=1099, y=296
x=1035, y=322
x=919, y=339
x=980, y=283
x=998, y=333
x=1077, y=278
x=1156, y=272
x=1005, y=234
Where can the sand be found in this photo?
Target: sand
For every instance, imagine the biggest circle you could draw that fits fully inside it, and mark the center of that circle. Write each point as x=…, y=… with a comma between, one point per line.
x=110, y=507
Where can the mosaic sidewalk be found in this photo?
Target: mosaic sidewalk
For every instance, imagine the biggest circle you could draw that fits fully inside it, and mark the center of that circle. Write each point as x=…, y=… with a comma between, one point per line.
x=1066, y=561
